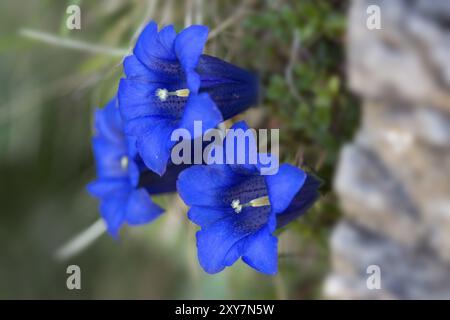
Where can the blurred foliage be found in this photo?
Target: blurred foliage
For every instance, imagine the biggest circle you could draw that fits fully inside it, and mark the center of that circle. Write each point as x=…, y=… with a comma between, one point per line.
x=302, y=66
x=49, y=93
x=304, y=60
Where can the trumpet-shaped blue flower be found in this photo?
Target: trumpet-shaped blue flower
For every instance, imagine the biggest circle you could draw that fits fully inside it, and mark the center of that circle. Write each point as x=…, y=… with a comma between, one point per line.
x=237, y=209
x=304, y=199
x=124, y=195
x=169, y=84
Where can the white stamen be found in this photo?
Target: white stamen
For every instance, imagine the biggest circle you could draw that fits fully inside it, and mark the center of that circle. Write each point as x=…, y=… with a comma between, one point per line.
x=236, y=205
x=163, y=94
x=124, y=162
x=258, y=202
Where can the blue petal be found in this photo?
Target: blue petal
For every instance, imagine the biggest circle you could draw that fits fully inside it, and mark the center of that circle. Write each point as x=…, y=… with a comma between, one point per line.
x=203, y=185
x=222, y=242
x=233, y=89
x=241, y=151
x=234, y=253
x=166, y=38
x=131, y=146
x=155, y=146
x=156, y=52
x=140, y=126
x=200, y=108
x=136, y=70
x=107, y=158
x=141, y=208
x=113, y=210
x=205, y=216
x=146, y=40
x=283, y=186
x=304, y=200
x=188, y=48
x=103, y=187
x=138, y=99
x=192, y=81
x=108, y=124
x=156, y=70
x=245, y=189
x=189, y=45
x=154, y=184
x=134, y=173
x=135, y=98
x=214, y=243
x=151, y=45
x=260, y=251
x=251, y=219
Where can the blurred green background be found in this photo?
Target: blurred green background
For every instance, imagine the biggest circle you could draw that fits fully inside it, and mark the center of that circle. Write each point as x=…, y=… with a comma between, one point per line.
x=48, y=93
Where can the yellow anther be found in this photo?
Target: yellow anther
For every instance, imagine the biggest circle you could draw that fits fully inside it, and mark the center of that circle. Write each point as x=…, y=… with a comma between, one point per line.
x=124, y=162
x=258, y=202
x=182, y=93
x=163, y=94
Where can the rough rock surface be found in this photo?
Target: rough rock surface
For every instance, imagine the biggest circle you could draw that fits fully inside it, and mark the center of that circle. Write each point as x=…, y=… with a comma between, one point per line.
x=393, y=181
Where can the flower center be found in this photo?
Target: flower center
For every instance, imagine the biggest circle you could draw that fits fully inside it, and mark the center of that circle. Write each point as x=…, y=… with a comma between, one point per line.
x=163, y=94
x=124, y=162
x=258, y=202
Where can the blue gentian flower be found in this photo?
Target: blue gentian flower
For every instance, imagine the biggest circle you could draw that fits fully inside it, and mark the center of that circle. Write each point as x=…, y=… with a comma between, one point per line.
x=304, y=199
x=237, y=209
x=169, y=84
x=124, y=196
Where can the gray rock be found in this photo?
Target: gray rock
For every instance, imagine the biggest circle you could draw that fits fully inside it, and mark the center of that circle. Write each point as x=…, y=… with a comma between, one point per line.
x=393, y=181
x=371, y=196
x=436, y=10
x=413, y=145
x=433, y=127
x=407, y=58
x=408, y=273
x=437, y=214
